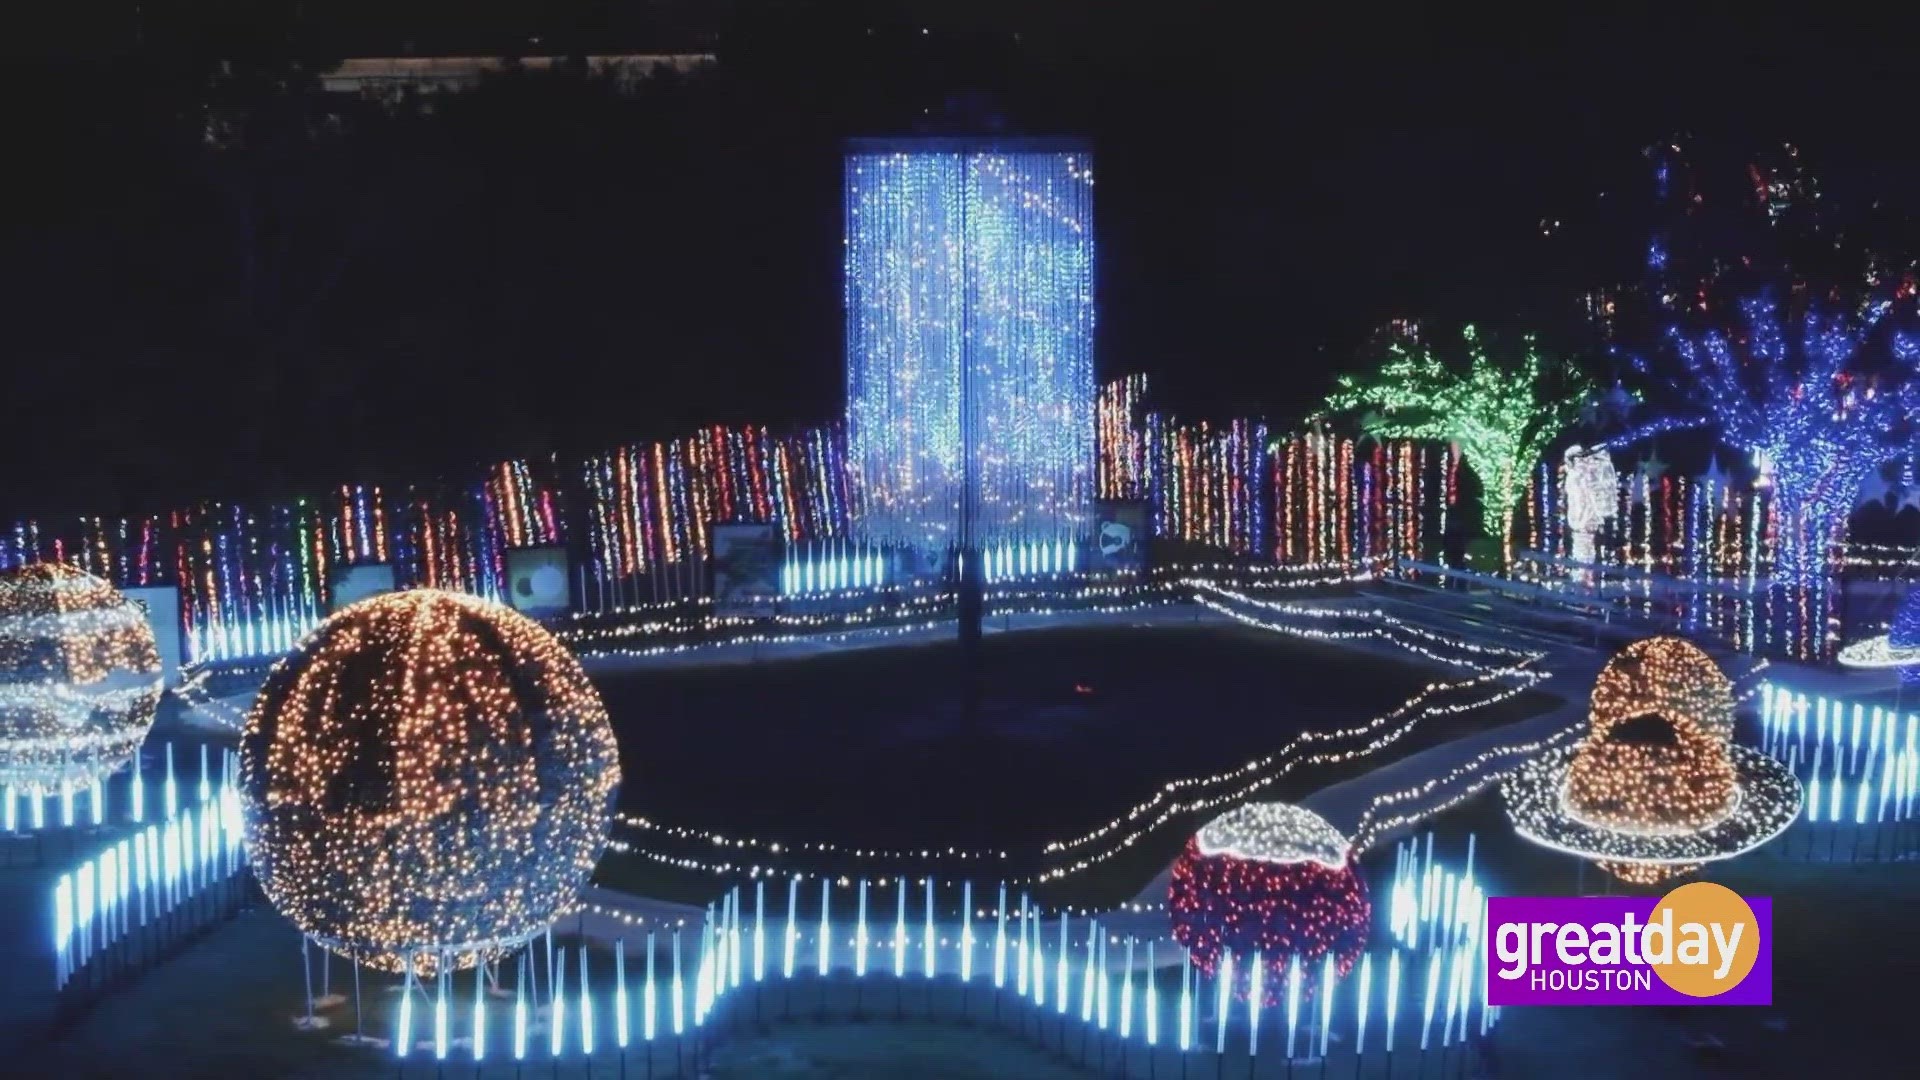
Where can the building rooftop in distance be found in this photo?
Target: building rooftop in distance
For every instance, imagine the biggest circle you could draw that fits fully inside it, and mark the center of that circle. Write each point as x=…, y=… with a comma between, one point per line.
x=389, y=74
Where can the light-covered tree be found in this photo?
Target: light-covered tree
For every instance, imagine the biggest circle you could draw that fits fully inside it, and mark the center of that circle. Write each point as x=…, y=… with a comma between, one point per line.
x=1502, y=415
x=1817, y=411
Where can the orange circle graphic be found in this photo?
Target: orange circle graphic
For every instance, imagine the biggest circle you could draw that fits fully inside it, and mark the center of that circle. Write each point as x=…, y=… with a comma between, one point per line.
x=1694, y=956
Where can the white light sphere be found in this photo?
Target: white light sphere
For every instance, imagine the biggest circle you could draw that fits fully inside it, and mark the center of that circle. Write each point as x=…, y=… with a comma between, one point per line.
x=80, y=678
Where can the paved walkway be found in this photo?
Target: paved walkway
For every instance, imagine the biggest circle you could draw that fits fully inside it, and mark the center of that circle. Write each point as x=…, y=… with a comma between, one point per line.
x=1572, y=667
x=749, y=652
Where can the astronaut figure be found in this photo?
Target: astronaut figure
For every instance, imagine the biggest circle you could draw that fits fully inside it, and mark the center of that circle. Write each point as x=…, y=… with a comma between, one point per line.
x=1592, y=488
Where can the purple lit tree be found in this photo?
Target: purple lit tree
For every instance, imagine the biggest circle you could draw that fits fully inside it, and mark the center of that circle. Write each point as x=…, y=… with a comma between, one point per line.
x=1817, y=411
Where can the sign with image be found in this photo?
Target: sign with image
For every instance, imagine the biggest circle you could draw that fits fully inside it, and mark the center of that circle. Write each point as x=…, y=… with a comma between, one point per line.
x=162, y=605
x=746, y=568
x=355, y=583
x=1120, y=536
x=537, y=581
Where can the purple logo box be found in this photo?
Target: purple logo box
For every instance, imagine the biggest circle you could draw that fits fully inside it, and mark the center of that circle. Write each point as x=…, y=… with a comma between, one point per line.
x=1560, y=983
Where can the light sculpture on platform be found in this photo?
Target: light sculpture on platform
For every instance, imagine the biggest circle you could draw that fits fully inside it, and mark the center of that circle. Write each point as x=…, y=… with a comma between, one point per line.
x=1657, y=787
x=1502, y=416
x=1899, y=647
x=1593, y=488
x=1820, y=409
x=1272, y=880
x=80, y=678
x=426, y=781
x=969, y=302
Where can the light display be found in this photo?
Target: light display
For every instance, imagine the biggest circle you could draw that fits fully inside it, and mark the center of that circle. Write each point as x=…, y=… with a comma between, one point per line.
x=80, y=678
x=650, y=504
x=427, y=779
x=1274, y=832
x=1703, y=550
x=1899, y=647
x=1502, y=417
x=154, y=882
x=1657, y=787
x=1206, y=483
x=1864, y=773
x=253, y=580
x=1819, y=408
x=1493, y=674
x=1653, y=761
x=1310, y=498
x=1123, y=443
x=1270, y=881
x=1667, y=677
x=969, y=299
x=1071, y=972
x=1591, y=484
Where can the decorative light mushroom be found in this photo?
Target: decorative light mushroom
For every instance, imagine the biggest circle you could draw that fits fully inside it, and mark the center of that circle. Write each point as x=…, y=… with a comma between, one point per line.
x=1899, y=647
x=1657, y=788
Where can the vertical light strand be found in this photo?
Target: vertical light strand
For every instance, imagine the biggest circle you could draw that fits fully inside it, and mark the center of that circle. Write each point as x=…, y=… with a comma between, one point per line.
x=969, y=299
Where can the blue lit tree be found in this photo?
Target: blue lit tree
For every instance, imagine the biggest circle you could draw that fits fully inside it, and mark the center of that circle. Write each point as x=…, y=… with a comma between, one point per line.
x=1817, y=411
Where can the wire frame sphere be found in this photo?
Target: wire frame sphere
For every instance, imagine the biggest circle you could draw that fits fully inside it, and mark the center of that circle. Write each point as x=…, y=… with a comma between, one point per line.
x=1271, y=879
x=426, y=781
x=80, y=678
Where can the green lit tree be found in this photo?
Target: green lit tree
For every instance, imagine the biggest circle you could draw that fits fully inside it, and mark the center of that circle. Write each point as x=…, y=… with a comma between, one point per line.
x=1502, y=415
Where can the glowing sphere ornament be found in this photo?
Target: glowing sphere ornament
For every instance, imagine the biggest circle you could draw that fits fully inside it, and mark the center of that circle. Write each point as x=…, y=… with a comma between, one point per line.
x=1899, y=647
x=1271, y=878
x=80, y=678
x=1658, y=787
x=428, y=778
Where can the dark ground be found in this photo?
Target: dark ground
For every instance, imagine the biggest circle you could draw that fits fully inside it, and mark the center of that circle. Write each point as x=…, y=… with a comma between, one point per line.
x=866, y=747
x=869, y=746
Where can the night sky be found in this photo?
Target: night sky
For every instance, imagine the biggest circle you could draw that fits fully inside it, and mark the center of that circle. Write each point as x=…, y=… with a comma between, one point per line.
x=541, y=266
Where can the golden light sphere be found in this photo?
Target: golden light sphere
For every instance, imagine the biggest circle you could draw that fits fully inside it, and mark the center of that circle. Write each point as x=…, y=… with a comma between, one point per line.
x=427, y=780
x=1656, y=761
x=1667, y=676
x=80, y=678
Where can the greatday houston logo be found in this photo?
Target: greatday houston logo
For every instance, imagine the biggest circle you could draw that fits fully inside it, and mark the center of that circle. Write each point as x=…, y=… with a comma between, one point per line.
x=1701, y=944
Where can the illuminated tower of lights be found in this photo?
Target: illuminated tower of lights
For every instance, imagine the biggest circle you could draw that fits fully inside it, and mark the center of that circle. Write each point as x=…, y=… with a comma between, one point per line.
x=969, y=300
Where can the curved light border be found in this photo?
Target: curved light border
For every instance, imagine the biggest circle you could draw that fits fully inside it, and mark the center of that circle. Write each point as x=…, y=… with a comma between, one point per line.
x=1878, y=652
x=1770, y=798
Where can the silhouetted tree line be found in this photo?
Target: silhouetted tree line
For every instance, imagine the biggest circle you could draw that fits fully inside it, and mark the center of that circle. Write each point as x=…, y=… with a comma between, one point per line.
x=226, y=282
